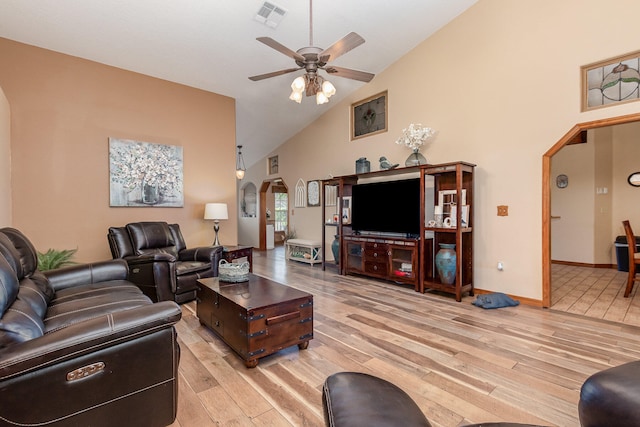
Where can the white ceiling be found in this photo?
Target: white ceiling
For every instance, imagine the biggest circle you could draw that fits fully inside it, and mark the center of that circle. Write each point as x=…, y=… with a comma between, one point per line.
x=211, y=45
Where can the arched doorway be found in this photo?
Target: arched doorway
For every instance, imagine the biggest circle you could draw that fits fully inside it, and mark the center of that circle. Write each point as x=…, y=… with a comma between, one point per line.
x=546, y=192
x=271, y=213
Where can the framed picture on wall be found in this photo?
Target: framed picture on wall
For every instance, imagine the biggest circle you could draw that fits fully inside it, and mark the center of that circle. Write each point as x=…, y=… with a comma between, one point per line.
x=272, y=165
x=369, y=116
x=313, y=193
x=133, y=177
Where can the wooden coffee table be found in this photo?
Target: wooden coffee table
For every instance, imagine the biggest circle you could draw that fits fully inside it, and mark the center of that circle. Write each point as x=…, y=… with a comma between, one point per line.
x=256, y=318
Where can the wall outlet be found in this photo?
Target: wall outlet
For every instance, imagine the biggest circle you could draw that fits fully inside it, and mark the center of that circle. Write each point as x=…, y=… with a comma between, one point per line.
x=503, y=210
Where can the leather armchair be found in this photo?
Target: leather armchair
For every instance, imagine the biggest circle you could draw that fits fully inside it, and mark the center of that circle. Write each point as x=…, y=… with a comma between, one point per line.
x=81, y=345
x=159, y=261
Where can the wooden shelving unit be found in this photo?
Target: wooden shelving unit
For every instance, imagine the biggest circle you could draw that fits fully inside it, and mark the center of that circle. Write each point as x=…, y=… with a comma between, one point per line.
x=457, y=180
x=410, y=261
x=342, y=187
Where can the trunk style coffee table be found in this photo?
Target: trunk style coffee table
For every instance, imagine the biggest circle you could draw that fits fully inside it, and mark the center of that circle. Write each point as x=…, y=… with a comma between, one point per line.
x=256, y=318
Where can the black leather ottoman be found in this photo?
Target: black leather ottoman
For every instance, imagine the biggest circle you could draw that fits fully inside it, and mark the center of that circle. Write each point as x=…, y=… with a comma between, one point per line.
x=611, y=397
x=354, y=399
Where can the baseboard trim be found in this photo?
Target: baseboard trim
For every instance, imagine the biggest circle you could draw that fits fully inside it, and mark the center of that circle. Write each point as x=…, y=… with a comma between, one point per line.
x=523, y=300
x=583, y=264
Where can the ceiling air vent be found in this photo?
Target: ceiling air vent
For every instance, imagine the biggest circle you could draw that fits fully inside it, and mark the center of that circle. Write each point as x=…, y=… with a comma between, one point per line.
x=270, y=14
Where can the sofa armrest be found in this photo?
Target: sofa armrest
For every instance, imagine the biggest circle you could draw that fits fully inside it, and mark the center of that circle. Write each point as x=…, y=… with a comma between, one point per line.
x=104, y=371
x=212, y=254
x=150, y=258
x=154, y=274
x=86, y=337
x=82, y=274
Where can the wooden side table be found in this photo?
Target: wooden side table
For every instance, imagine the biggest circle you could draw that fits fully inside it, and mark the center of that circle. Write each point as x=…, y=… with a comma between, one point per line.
x=230, y=253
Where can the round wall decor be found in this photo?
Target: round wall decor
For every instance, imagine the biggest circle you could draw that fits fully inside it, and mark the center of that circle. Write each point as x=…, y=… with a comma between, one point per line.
x=562, y=181
x=634, y=179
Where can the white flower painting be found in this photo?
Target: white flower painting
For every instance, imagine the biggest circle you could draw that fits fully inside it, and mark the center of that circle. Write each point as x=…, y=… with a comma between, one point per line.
x=145, y=174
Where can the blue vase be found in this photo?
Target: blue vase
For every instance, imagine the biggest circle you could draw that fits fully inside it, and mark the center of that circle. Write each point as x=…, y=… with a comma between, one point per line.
x=335, y=248
x=446, y=263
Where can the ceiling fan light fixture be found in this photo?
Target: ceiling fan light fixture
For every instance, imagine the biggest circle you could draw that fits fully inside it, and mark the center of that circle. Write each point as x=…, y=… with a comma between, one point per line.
x=296, y=96
x=321, y=98
x=328, y=88
x=312, y=59
x=298, y=84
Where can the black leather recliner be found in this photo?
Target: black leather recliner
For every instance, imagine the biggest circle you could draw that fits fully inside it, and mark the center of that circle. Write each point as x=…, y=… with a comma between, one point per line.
x=611, y=397
x=81, y=345
x=159, y=261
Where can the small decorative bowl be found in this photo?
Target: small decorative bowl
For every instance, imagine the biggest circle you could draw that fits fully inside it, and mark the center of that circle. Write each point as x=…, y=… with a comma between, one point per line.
x=233, y=272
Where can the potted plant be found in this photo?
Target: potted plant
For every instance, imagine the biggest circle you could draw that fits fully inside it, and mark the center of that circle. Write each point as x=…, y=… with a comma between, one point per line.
x=55, y=258
x=290, y=234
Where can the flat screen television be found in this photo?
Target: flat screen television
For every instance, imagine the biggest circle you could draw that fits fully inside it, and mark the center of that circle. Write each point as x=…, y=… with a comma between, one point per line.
x=387, y=207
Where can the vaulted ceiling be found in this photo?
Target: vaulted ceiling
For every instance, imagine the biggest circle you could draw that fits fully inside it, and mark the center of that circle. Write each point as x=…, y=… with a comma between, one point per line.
x=211, y=45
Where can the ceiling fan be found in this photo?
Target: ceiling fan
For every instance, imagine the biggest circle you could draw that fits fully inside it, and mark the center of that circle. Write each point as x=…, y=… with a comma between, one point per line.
x=312, y=59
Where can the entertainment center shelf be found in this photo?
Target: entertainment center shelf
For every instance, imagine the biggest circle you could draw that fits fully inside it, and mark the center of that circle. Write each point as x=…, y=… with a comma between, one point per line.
x=393, y=258
x=411, y=259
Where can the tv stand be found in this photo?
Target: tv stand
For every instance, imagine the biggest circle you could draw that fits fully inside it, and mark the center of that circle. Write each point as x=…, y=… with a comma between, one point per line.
x=388, y=258
x=341, y=187
x=408, y=259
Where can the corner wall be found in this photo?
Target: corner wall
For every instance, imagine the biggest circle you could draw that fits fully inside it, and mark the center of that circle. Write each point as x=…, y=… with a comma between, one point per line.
x=5, y=161
x=64, y=109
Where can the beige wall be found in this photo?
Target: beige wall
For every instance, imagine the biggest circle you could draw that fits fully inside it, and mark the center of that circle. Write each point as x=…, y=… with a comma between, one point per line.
x=589, y=221
x=573, y=207
x=604, y=195
x=5, y=161
x=501, y=84
x=626, y=160
x=64, y=109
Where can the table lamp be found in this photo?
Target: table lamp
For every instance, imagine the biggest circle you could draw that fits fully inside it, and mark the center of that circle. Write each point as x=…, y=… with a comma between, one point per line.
x=216, y=212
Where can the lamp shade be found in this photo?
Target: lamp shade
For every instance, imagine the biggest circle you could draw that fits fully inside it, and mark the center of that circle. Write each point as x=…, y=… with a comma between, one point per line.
x=216, y=211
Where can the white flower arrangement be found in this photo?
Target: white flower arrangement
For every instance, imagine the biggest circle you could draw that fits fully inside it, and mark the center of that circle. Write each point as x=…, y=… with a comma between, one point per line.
x=415, y=136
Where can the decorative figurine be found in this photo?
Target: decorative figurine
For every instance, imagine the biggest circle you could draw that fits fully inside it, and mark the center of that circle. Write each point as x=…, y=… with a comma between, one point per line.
x=386, y=164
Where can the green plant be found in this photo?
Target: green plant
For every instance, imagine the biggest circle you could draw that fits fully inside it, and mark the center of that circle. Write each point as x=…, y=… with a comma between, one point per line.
x=55, y=258
x=290, y=234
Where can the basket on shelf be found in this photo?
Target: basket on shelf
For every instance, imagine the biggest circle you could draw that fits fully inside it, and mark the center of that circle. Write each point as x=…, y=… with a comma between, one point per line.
x=233, y=272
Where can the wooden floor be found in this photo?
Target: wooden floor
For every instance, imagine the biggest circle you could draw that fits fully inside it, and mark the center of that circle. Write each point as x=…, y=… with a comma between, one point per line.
x=594, y=292
x=460, y=363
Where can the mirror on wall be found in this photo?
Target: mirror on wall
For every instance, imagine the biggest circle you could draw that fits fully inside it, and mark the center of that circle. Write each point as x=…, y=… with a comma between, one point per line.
x=248, y=200
x=634, y=179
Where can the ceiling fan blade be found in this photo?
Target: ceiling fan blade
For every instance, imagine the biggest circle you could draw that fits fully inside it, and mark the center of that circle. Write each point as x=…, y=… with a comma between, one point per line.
x=342, y=46
x=350, y=74
x=281, y=48
x=274, y=74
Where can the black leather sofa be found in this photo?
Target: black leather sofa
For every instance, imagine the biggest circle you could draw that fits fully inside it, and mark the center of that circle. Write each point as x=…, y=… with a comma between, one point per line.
x=82, y=346
x=159, y=261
